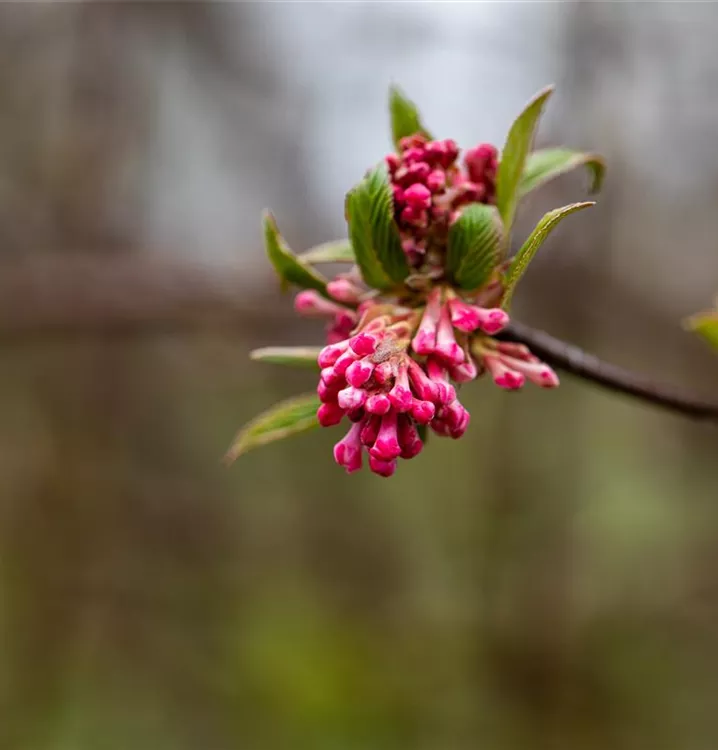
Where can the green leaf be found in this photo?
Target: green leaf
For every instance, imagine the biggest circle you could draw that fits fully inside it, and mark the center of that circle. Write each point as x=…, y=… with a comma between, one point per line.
x=525, y=255
x=373, y=232
x=513, y=157
x=290, y=268
x=294, y=356
x=290, y=417
x=546, y=164
x=405, y=119
x=475, y=245
x=706, y=326
x=338, y=251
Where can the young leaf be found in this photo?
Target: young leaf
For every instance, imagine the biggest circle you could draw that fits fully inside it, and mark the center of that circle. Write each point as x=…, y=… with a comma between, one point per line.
x=290, y=417
x=405, y=118
x=547, y=164
x=513, y=157
x=706, y=326
x=294, y=356
x=541, y=231
x=373, y=232
x=339, y=251
x=290, y=268
x=475, y=245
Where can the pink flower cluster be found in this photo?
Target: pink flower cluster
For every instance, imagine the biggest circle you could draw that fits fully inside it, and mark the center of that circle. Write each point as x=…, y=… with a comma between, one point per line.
x=430, y=189
x=372, y=379
x=395, y=369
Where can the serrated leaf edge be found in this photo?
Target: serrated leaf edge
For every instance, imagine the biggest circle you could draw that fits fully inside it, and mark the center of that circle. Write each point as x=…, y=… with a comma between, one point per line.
x=500, y=246
x=528, y=250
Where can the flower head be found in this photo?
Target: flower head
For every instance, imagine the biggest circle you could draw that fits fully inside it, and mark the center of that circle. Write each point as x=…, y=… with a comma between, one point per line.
x=424, y=309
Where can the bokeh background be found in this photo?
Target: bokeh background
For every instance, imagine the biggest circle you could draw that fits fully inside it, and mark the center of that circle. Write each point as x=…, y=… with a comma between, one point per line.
x=549, y=581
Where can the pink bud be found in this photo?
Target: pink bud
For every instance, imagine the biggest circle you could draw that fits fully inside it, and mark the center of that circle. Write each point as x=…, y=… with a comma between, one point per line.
x=548, y=378
x=443, y=153
x=364, y=344
x=344, y=291
x=422, y=411
x=387, y=446
x=414, y=154
x=330, y=354
x=536, y=371
x=465, y=372
x=418, y=196
x=382, y=468
x=460, y=429
x=504, y=377
x=437, y=372
x=411, y=141
x=424, y=340
x=328, y=393
x=378, y=403
x=409, y=439
x=340, y=328
x=422, y=385
x=329, y=414
x=312, y=304
x=346, y=359
x=417, y=172
x=330, y=377
x=455, y=416
x=493, y=320
x=414, y=216
x=446, y=345
x=348, y=452
x=480, y=160
x=370, y=430
x=359, y=372
x=436, y=180
x=400, y=395
x=351, y=398
x=468, y=318
x=440, y=427
x=392, y=162
x=451, y=421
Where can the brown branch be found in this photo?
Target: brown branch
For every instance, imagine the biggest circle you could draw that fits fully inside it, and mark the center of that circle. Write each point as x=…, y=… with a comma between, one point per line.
x=575, y=361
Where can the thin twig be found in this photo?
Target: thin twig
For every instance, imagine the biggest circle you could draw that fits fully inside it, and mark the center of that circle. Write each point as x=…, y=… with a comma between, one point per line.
x=575, y=361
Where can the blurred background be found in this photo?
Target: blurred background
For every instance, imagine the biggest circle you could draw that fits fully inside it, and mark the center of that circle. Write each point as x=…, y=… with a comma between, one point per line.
x=549, y=581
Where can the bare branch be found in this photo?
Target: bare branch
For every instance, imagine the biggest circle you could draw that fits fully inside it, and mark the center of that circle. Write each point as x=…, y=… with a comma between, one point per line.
x=575, y=361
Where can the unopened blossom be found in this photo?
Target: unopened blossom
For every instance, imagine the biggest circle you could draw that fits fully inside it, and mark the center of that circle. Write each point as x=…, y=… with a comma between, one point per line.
x=422, y=309
x=511, y=364
x=430, y=187
x=392, y=368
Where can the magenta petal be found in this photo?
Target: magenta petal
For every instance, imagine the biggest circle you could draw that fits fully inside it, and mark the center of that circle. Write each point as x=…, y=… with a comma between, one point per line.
x=329, y=414
x=348, y=452
x=382, y=468
x=378, y=403
x=387, y=445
